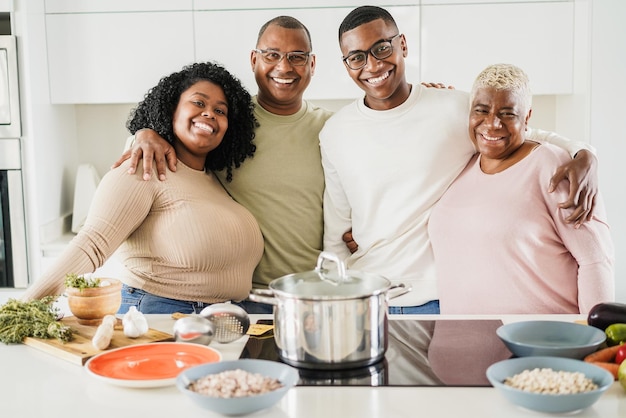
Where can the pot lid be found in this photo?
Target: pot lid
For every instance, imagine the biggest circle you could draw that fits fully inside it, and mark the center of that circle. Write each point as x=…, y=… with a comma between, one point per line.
x=324, y=283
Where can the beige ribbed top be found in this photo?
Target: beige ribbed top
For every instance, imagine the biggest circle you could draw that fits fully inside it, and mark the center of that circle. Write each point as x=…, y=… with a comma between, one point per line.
x=183, y=238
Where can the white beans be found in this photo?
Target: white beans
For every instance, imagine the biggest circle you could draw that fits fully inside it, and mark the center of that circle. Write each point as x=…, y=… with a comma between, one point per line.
x=551, y=382
x=234, y=384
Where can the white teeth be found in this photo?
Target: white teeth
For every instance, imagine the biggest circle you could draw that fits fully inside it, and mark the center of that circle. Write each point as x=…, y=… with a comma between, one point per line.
x=283, y=80
x=491, y=138
x=375, y=80
x=204, y=126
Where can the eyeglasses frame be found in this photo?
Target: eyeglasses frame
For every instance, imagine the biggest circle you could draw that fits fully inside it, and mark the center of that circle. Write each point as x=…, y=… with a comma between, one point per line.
x=283, y=55
x=369, y=52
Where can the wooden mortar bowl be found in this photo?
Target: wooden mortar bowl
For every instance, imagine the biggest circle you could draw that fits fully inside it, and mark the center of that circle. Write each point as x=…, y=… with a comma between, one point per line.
x=91, y=304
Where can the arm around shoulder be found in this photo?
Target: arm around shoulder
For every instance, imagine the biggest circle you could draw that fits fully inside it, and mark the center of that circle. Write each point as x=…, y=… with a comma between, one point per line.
x=581, y=171
x=148, y=145
x=569, y=145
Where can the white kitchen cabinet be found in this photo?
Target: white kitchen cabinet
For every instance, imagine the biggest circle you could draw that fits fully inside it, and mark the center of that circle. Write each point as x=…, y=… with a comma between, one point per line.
x=223, y=36
x=114, y=57
x=95, y=6
x=6, y=5
x=439, y=2
x=290, y=4
x=113, y=51
x=459, y=40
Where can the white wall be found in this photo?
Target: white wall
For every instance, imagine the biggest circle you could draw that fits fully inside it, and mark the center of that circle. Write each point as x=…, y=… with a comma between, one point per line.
x=102, y=132
x=608, y=135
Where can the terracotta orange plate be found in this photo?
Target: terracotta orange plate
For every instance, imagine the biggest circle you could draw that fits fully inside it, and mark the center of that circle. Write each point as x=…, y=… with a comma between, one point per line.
x=149, y=365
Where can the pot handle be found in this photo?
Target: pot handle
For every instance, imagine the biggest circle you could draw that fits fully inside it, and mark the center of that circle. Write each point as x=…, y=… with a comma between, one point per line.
x=400, y=289
x=263, y=296
x=322, y=273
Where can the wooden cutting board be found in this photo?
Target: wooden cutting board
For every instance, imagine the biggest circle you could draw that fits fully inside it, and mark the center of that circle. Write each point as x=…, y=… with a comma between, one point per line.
x=80, y=349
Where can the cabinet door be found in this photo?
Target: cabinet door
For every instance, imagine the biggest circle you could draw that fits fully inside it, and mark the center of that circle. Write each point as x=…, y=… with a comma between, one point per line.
x=114, y=57
x=97, y=6
x=229, y=37
x=458, y=41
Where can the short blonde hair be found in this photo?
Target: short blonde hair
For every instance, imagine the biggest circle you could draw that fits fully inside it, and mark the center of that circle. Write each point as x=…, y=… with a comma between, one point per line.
x=505, y=77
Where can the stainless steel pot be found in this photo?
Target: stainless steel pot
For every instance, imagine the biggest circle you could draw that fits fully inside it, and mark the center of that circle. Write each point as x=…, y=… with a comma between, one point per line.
x=330, y=319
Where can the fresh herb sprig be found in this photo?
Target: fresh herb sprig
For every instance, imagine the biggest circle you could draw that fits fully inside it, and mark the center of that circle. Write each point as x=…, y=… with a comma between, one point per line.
x=80, y=282
x=36, y=318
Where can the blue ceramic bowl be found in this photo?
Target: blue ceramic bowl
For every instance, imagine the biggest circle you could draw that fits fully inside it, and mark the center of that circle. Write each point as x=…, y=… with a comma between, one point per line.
x=498, y=372
x=551, y=338
x=287, y=375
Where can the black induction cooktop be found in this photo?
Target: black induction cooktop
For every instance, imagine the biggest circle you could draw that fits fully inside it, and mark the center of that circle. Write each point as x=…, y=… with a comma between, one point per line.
x=419, y=353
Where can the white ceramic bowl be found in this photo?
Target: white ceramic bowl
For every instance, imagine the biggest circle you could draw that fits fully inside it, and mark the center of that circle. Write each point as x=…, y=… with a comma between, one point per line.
x=551, y=338
x=498, y=372
x=286, y=374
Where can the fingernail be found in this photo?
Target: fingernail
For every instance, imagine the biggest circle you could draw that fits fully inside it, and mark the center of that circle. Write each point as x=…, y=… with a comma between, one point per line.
x=162, y=177
x=146, y=176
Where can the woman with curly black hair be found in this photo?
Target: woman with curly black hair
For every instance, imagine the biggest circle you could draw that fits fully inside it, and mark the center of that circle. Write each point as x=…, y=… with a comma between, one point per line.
x=157, y=108
x=184, y=242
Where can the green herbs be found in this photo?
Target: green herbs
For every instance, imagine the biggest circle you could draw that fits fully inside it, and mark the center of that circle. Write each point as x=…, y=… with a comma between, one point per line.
x=79, y=282
x=36, y=318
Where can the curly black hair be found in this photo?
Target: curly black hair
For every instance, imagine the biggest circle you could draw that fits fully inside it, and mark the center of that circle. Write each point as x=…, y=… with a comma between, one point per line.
x=156, y=111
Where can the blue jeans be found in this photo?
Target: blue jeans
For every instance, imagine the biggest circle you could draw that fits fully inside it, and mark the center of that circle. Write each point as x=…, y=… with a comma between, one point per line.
x=148, y=303
x=431, y=307
x=256, y=307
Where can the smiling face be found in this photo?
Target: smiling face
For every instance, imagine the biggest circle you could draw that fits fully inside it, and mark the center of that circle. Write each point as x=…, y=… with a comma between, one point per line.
x=200, y=122
x=383, y=81
x=282, y=85
x=497, y=123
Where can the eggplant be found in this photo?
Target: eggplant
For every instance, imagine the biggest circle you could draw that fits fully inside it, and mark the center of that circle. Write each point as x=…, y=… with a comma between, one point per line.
x=604, y=314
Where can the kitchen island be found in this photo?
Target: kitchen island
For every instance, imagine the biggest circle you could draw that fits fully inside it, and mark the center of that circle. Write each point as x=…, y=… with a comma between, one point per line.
x=35, y=383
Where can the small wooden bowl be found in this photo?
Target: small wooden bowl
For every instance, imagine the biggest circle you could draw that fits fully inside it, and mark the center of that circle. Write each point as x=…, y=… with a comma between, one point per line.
x=92, y=304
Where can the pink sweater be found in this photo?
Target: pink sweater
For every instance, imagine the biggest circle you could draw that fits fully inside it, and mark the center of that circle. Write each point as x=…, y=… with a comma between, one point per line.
x=501, y=244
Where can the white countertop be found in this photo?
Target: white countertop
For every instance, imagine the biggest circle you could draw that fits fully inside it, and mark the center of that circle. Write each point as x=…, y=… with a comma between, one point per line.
x=34, y=383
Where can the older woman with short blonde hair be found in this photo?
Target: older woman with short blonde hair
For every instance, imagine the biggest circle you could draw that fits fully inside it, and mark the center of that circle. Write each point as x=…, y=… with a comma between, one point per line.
x=500, y=240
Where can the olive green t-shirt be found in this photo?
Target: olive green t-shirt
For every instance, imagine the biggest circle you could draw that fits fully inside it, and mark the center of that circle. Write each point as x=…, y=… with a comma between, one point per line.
x=282, y=185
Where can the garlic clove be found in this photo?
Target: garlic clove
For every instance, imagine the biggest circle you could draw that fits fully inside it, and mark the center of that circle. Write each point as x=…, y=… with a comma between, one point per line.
x=104, y=333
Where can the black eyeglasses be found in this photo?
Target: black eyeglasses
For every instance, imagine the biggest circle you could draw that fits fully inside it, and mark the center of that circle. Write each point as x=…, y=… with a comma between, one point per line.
x=274, y=57
x=380, y=51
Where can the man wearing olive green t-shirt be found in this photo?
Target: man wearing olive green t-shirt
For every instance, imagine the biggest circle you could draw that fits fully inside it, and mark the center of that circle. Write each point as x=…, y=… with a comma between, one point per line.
x=282, y=185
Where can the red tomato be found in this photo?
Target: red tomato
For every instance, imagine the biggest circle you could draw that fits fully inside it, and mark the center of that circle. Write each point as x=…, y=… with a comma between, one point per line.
x=621, y=354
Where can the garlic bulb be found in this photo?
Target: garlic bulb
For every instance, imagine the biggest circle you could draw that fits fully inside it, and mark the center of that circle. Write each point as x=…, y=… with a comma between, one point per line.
x=135, y=323
x=104, y=333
